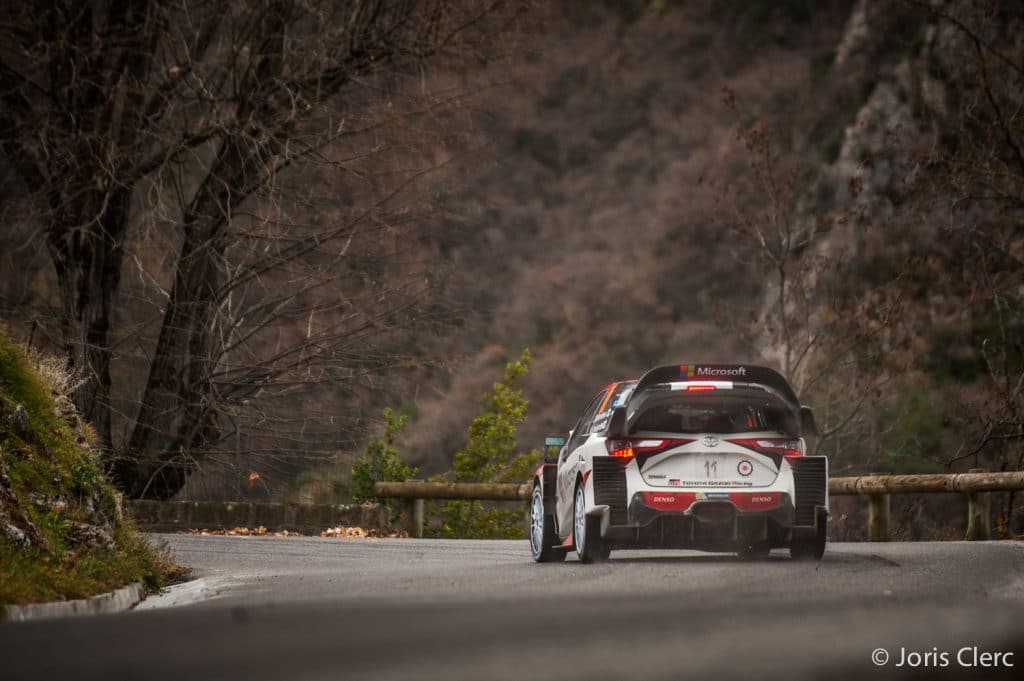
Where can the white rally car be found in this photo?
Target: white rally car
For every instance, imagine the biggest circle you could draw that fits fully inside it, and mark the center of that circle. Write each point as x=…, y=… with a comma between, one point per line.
x=705, y=456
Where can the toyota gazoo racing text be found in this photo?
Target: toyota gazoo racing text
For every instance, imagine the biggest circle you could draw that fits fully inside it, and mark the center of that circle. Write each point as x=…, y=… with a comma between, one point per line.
x=705, y=456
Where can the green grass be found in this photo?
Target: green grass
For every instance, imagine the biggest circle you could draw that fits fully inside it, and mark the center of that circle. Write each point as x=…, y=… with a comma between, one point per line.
x=37, y=575
x=59, y=461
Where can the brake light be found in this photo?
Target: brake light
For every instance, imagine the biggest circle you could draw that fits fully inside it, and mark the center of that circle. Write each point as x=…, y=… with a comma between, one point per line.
x=620, y=448
x=627, y=449
x=787, y=447
x=699, y=388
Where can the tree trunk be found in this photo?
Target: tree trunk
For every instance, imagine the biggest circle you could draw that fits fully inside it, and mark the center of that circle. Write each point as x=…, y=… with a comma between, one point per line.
x=176, y=415
x=175, y=403
x=86, y=242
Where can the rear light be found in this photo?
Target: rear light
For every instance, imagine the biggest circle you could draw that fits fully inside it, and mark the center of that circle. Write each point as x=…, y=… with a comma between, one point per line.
x=787, y=447
x=699, y=388
x=620, y=448
x=629, y=448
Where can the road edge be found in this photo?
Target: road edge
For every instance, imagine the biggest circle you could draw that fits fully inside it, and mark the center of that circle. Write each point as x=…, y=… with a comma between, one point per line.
x=118, y=600
x=186, y=593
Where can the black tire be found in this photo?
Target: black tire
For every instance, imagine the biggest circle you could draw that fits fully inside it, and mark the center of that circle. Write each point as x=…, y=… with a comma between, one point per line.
x=758, y=550
x=543, y=542
x=811, y=549
x=586, y=533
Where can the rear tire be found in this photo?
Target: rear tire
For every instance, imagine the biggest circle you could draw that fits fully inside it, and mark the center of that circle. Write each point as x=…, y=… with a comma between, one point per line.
x=541, y=528
x=587, y=532
x=811, y=549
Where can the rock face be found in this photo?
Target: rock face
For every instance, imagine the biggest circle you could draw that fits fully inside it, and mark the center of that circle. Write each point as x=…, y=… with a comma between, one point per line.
x=900, y=113
x=13, y=521
x=97, y=536
x=856, y=35
x=89, y=511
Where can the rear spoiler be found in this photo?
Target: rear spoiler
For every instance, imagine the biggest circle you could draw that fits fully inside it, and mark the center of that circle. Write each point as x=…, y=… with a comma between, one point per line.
x=737, y=373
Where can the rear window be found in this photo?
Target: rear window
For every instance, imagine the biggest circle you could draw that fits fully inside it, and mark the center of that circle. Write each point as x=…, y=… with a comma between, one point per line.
x=618, y=396
x=724, y=412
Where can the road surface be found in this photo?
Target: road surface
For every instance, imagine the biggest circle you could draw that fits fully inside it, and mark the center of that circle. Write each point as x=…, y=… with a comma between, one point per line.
x=311, y=608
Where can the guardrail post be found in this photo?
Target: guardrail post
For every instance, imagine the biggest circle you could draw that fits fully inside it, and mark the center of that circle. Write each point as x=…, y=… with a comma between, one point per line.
x=414, y=523
x=416, y=518
x=878, y=516
x=978, y=528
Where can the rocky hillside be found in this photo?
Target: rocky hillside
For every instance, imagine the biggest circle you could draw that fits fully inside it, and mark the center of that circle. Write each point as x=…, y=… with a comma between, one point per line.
x=652, y=153
x=833, y=188
x=603, y=241
x=62, y=533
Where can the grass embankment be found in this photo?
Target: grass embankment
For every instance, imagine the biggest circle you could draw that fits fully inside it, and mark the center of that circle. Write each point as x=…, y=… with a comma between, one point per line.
x=62, y=534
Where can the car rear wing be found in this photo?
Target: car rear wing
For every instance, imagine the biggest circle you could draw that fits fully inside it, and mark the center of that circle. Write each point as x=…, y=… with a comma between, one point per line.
x=738, y=374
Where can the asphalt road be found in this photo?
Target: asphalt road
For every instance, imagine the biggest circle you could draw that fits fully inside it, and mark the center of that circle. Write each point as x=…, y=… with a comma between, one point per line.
x=309, y=608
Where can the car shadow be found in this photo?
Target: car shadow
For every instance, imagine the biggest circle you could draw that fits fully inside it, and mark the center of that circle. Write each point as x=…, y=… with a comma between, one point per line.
x=624, y=557
x=777, y=557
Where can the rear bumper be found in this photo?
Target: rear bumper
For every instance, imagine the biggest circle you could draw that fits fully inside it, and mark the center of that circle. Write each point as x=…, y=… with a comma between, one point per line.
x=715, y=523
x=710, y=508
x=634, y=513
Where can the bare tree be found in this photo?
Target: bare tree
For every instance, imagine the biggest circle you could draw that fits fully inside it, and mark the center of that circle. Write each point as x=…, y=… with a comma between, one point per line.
x=802, y=319
x=108, y=108
x=974, y=187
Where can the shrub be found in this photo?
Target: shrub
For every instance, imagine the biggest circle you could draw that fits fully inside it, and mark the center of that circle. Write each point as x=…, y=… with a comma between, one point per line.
x=381, y=462
x=490, y=456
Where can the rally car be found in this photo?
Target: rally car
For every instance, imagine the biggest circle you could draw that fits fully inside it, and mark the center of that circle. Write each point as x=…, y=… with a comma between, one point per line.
x=701, y=456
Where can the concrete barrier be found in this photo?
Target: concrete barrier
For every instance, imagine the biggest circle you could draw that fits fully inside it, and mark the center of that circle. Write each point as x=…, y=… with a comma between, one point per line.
x=113, y=601
x=180, y=516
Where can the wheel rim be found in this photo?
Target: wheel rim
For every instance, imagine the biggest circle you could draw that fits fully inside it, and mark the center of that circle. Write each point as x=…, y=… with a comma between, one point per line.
x=580, y=523
x=537, y=523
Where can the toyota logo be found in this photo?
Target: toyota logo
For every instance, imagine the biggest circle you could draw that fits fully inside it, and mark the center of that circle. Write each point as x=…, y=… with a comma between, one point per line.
x=710, y=441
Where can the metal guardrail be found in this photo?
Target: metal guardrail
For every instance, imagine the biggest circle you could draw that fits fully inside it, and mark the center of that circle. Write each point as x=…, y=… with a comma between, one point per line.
x=877, y=487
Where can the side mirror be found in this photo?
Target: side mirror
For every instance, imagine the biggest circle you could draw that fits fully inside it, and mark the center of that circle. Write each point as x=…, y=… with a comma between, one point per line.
x=808, y=426
x=552, y=442
x=617, y=426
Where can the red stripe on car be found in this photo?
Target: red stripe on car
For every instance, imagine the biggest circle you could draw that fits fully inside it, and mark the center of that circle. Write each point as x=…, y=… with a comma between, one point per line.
x=756, y=501
x=670, y=501
x=744, y=501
